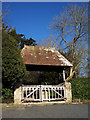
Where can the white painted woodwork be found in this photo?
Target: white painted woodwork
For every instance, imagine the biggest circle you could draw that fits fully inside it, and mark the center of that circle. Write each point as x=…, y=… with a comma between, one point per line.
x=64, y=92
x=71, y=71
x=52, y=92
x=36, y=93
x=64, y=75
x=44, y=92
x=49, y=93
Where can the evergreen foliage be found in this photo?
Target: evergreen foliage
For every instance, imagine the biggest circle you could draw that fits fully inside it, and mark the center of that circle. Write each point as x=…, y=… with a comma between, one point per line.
x=7, y=93
x=13, y=68
x=80, y=88
x=20, y=38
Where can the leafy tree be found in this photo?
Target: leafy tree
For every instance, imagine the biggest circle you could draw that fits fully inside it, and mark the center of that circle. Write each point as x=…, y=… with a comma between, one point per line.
x=20, y=38
x=30, y=78
x=13, y=68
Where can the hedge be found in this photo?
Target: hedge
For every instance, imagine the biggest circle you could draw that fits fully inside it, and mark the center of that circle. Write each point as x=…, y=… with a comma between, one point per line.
x=80, y=88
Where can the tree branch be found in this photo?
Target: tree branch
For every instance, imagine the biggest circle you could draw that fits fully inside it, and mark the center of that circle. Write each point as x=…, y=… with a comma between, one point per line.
x=64, y=39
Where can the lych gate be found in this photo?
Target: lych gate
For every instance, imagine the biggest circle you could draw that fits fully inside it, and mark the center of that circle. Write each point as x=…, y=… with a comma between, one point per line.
x=43, y=93
x=44, y=59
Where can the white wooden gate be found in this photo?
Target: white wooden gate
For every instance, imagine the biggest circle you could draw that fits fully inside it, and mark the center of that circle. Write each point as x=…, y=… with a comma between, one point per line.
x=43, y=93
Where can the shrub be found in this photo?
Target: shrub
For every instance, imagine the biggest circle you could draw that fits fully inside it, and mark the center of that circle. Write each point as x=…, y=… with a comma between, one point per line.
x=80, y=88
x=7, y=93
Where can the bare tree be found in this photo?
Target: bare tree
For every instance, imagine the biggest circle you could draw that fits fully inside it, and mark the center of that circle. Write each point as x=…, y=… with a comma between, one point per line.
x=71, y=36
x=72, y=30
x=51, y=41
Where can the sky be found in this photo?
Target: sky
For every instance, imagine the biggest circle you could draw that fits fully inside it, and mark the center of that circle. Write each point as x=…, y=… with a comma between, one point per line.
x=33, y=18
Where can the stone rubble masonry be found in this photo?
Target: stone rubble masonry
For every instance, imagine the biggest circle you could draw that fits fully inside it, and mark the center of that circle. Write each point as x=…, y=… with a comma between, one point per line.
x=18, y=95
x=68, y=92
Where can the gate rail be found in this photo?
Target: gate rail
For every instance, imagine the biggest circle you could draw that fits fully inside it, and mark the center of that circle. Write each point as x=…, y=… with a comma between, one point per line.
x=43, y=92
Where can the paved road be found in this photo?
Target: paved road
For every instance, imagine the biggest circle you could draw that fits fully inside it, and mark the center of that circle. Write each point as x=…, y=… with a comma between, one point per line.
x=50, y=111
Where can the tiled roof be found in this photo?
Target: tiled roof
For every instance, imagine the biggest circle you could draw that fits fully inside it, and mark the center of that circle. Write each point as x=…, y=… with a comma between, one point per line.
x=35, y=55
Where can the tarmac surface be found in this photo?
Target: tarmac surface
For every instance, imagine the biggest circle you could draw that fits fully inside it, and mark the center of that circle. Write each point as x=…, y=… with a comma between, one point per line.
x=48, y=111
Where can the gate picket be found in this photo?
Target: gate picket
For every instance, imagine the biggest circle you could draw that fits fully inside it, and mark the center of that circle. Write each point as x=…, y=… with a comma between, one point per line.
x=42, y=92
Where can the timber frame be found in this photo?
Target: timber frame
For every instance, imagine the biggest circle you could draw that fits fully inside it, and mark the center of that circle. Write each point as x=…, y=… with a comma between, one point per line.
x=25, y=93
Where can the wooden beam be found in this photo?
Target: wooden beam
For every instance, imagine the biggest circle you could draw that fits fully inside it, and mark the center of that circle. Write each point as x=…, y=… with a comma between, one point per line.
x=64, y=75
x=71, y=71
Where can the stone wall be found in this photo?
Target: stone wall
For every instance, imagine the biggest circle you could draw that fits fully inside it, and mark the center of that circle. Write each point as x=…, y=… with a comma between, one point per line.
x=18, y=95
x=68, y=92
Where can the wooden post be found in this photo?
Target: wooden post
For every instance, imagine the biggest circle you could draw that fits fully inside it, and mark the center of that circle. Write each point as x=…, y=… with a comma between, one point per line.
x=26, y=92
x=41, y=92
x=45, y=94
x=61, y=91
x=52, y=93
x=55, y=93
x=58, y=92
x=64, y=93
x=49, y=93
x=36, y=93
x=33, y=93
x=64, y=75
x=22, y=93
x=71, y=71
